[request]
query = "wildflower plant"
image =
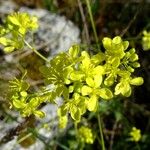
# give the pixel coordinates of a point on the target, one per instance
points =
(86, 135)
(81, 79)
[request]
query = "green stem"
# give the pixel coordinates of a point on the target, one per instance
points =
(34, 50)
(62, 146)
(24, 138)
(138, 147)
(76, 131)
(92, 21)
(101, 132)
(76, 128)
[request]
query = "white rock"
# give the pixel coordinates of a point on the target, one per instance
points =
(55, 31)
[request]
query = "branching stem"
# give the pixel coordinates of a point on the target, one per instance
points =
(34, 50)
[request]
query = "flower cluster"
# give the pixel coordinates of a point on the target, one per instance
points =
(24, 102)
(22, 22)
(135, 134)
(85, 135)
(146, 40)
(83, 79)
(17, 25)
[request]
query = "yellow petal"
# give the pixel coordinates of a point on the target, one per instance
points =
(97, 81)
(92, 103)
(99, 70)
(86, 90)
(90, 81)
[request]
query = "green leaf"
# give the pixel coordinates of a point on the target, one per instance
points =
(118, 115)
(14, 20)
(52, 75)
(34, 102)
(39, 113)
(63, 110)
(75, 113)
(59, 89)
(92, 103)
(52, 96)
(19, 104)
(82, 104)
(65, 92)
(68, 70)
(9, 49)
(105, 93)
(78, 86)
(137, 81)
(24, 86)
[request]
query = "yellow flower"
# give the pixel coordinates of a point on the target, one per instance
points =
(146, 40)
(85, 135)
(22, 22)
(135, 134)
(94, 91)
